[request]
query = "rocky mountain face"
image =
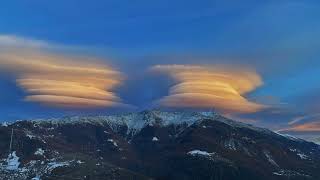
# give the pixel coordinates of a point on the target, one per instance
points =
(153, 145)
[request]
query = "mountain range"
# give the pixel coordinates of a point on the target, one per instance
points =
(152, 145)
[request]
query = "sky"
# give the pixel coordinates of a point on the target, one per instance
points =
(253, 61)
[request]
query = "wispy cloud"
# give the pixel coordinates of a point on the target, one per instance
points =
(305, 127)
(303, 119)
(303, 124)
(12, 41)
(219, 87)
(56, 79)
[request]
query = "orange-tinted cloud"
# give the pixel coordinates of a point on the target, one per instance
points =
(306, 127)
(59, 80)
(217, 87)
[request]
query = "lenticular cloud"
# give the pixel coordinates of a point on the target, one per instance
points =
(207, 87)
(60, 80)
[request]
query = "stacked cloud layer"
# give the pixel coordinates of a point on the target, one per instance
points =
(59, 80)
(217, 87)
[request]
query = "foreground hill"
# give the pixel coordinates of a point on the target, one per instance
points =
(153, 145)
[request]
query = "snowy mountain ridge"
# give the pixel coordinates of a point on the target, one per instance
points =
(138, 120)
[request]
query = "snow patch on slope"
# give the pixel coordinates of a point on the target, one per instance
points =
(12, 162)
(199, 153)
(289, 173)
(209, 156)
(155, 139)
(270, 158)
(36, 178)
(302, 156)
(53, 165)
(4, 124)
(113, 142)
(230, 144)
(39, 152)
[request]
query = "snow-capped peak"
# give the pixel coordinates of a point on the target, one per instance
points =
(136, 121)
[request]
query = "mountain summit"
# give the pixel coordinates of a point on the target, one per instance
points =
(152, 145)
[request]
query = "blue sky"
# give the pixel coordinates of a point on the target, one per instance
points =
(280, 39)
